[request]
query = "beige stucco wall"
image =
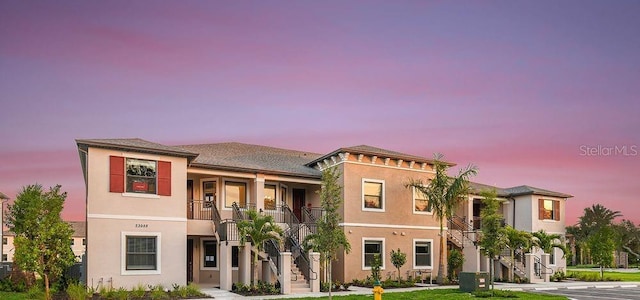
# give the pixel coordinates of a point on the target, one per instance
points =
(110, 216)
(398, 225)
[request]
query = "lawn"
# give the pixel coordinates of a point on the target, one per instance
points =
(622, 276)
(452, 294)
(13, 296)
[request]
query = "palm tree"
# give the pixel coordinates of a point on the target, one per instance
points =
(444, 193)
(258, 229)
(516, 239)
(596, 217)
(546, 242)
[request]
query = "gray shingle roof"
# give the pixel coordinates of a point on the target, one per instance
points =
(476, 188)
(3, 196)
(135, 144)
(370, 150)
(239, 156)
(529, 190)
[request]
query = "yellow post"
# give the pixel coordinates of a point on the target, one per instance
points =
(377, 292)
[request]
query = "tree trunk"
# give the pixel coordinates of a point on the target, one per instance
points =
(441, 264)
(492, 264)
(47, 295)
(330, 279)
(254, 266)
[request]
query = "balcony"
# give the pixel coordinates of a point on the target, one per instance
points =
(200, 210)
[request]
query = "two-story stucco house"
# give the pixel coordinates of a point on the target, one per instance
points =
(77, 242)
(159, 214)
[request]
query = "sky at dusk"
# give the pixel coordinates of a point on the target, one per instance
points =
(543, 93)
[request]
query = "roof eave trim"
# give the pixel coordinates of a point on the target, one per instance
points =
(189, 155)
(250, 170)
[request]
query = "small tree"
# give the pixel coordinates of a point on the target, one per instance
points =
(493, 238)
(516, 239)
(455, 260)
(42, 239)
(376, 264)
(398, 259)
(259, 229)
(444, 193)
(330, 237)
(601, 245)
(547, 242)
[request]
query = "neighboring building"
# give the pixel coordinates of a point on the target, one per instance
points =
(77, 243)
(159, 214)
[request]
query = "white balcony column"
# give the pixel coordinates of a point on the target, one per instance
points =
(546, 270)
(314, 280)
(226, 278)
(285, 273)
(258, 192)
(244, 264)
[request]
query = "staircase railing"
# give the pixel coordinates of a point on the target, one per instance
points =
(239, 213)
(466, 230)
(539, 268)
(311, 214)
(294, 235)
(273, 250)
(512, 262)
(228, 230)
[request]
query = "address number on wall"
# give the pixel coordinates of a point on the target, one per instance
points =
(142, 225)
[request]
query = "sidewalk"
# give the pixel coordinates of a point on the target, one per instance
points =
(355, 290)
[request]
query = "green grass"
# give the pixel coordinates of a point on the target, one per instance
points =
(13, 296)
(452, 294)
(618, 276)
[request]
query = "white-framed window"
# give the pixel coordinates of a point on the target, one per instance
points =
(235, 191)
(270, 196)
(548, 209)
(422, 253)
(141, 176)
(140, 253)
(373, 195)
(420, 202)
(371, 247)
(209, 255)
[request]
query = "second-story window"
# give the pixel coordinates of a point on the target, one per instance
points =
(235, 192)
(548, 209)
(420, 201)
(141, 176)
(269, 196)
(373, 194)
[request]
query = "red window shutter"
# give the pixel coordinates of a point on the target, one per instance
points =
(540, 209)
(116, 174)
(556, 210)
(164, 178)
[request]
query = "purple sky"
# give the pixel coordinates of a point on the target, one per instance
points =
(518, 88)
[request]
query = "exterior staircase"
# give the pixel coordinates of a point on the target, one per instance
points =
(299, 283)
(519, 266)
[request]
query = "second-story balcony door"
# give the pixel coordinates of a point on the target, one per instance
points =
(209, 193)
(298, 202)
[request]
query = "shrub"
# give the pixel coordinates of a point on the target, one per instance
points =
(35, 293)
(455, 260)
(193, 290)
(77, 291)
(138, 292)
(558, 276)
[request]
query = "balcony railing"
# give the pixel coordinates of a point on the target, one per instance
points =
(200, 210)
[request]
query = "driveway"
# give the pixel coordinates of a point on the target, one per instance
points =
(609, 292)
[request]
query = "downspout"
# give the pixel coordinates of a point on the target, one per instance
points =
(513, 218)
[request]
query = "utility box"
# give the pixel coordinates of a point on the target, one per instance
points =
(471, 282)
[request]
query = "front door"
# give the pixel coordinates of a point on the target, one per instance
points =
(298, 202)
(189, 260)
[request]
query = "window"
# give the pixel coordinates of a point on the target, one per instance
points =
(72, 241)
(269, 197)
(141, 253)
(4, 241)
(209, 193)
(420, 201)
(548, 209)
(141, 176)
(422, 254)
(84, 242)
(373, 195)
(235, 254)
(372, 247)
(210, 253)
(235, 192)
(5, 257)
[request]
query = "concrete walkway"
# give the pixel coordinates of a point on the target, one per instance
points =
(354, 290)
